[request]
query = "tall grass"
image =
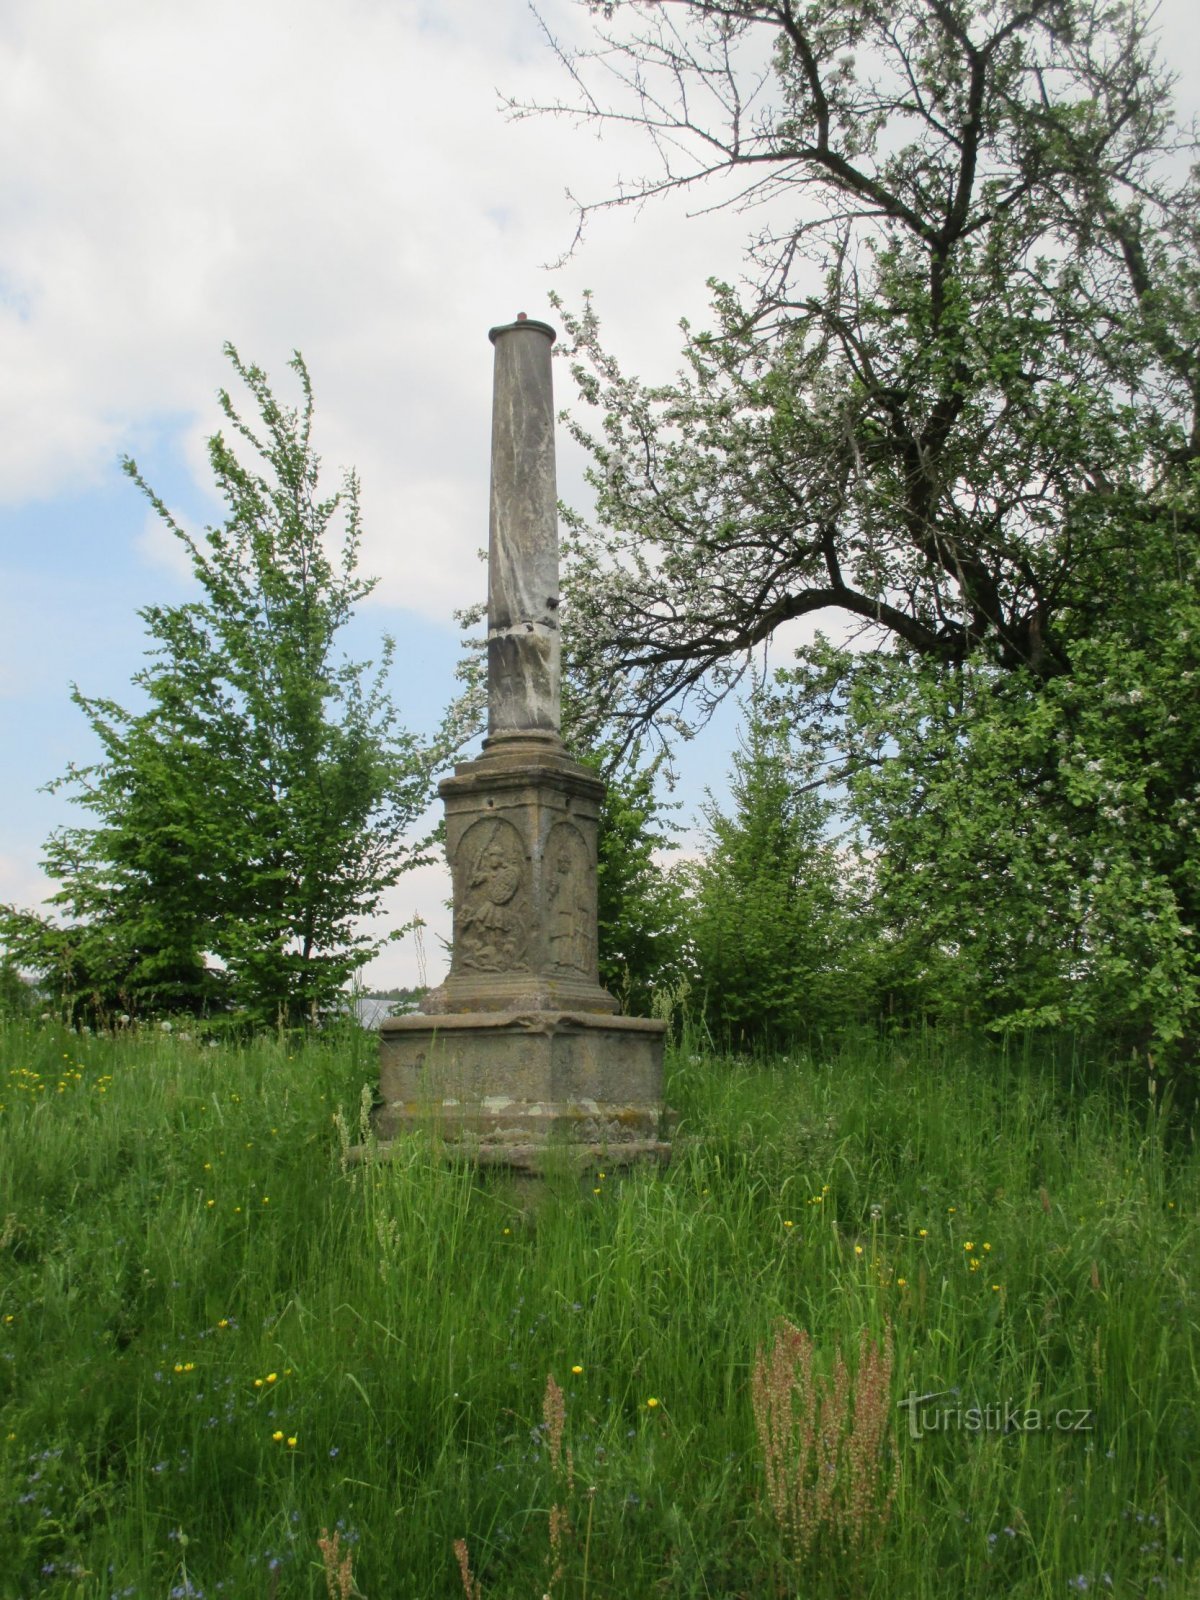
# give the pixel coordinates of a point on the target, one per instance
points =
(224, 1344)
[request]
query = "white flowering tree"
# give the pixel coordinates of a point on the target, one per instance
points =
(956, 406)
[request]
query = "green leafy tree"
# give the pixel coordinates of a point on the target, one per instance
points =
(640, 901)
(17, 995)
(771, 899)
(957, 403)
(1036, 860)
(263, 800)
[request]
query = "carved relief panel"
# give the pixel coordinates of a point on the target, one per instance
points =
(570, 897)
(491, 899)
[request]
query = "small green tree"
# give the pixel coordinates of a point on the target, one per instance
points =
(262, 801)
(770, 919)
(641, 910)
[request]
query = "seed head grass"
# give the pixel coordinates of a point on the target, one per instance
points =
(409, 1335)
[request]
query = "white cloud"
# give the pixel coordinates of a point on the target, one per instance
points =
(159, 546)
(287, 172)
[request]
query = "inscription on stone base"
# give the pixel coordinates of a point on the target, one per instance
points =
(506, 1078)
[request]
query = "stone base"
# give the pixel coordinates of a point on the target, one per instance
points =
(504, 1085)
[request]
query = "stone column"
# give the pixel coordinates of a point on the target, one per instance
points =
(520, 1046)
(524, 652)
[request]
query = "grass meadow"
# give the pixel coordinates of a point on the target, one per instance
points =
(235, 1362)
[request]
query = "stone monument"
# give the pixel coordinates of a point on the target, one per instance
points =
(521, 1047)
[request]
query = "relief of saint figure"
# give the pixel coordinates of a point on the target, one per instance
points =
(491, 925)
(569, 901)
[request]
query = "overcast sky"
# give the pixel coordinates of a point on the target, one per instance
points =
(290, 173)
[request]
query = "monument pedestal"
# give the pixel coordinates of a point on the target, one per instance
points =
(504, 1086)
(521, 1048)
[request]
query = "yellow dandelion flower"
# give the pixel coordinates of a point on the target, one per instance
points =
(258, 1383)
(278, 1436)
(266, 1199)
(986, 1245)
(950, 1210)
(969, 1245)
(601, 1176)
(788, 1223)
(271, 1376)
(995, 1288)
(595, 1191)
(506, 1230)
(178, 1367)
(292, 1442)
(237, 1209)
(224, 1322)
(576, 1370)
(858, 1249)
(902, 1283)
(922, 1233)
(210, 1204)
(651, 1403)
(189, 1366)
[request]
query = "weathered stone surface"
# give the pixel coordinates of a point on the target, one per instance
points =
(520, 1047)
(512, 1078)
(521, 826)
(523, 639)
